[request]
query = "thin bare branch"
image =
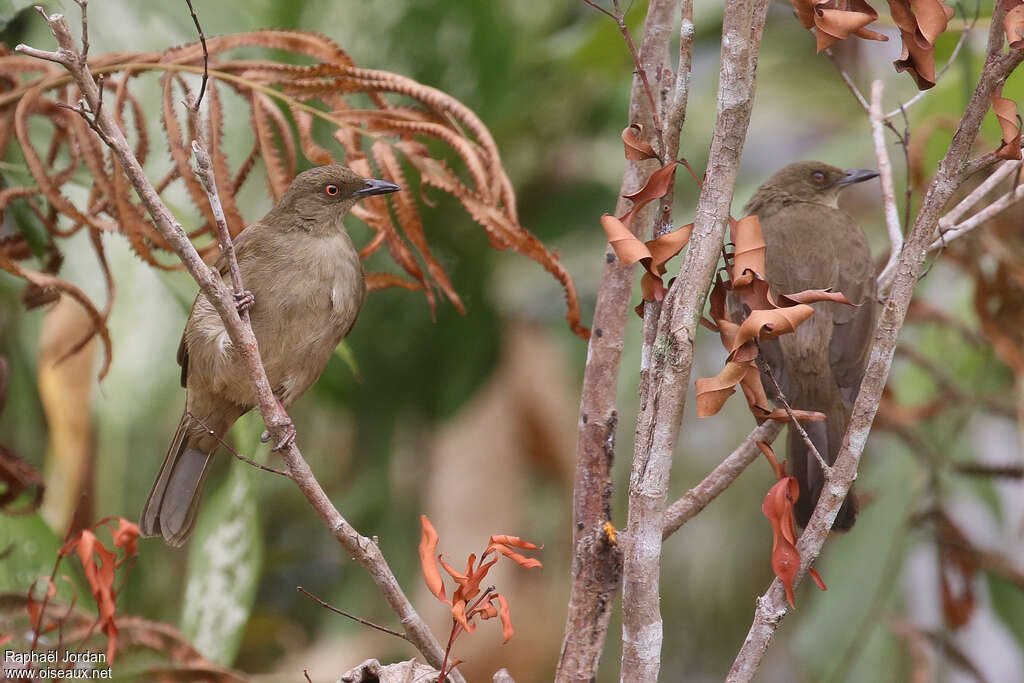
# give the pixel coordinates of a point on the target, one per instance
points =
(951, 233)
(892, 216)
(766, 369)
(847, 79)
(353, 617)
(232, 451)
(206, 55)
(719, 479)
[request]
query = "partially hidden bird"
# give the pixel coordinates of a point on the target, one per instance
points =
(305, 287)
(813, 244)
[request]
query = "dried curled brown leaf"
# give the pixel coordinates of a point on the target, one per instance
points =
(1013, 23)
(1010, 124)
(636, 148)
(920, 22)
(835, 20)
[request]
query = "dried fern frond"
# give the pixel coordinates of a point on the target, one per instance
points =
(285, 103)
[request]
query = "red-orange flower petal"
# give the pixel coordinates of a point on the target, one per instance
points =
(428, 563)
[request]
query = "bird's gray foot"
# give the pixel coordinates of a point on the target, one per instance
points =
(287, 440)
(244, 301)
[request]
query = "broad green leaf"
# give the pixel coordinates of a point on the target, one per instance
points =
(226, 557)
(31, 548)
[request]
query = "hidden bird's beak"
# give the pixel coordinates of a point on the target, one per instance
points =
(857, 176)
(374, 186)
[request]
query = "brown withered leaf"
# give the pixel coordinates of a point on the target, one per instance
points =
(664, 248)
(920, 23)
(780, 415)
(652, 254)
(1010, 124)
(98, 564)
(375, 281)
(656, 186)
(779, 468)
(753, 389)
(778, 508)
(810, 296)
(636, 148)
(770, 323)
(1013, 23)
(713, 392)
(748, 260)
(835, 20)
(627, 246)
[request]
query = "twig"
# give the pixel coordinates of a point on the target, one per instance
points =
(947, 235)
(657, 426)
(204, 171)
(620, 19)
(353, 617)
(82, 4)
(305, 672)
(892, 217)
(771, 607)
(847, 80)
(206, 55)
(232, 451)
(696, 499)
(361, 549)
(766, 369)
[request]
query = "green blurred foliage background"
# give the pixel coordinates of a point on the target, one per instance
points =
(551, 80)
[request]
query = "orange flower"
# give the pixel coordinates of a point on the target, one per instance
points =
(468, 601)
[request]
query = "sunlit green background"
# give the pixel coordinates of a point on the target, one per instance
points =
(471, 418)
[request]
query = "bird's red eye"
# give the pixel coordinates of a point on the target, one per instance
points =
(332, 190)
(818, 176)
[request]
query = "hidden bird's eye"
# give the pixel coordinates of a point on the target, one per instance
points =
(818, 176)
(332, 190)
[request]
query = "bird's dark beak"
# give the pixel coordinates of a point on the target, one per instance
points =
(857, 176)
(374, 186)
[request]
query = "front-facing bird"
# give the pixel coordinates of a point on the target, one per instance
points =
(307, 284)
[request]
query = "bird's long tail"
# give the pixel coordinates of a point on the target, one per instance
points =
(170, 510)
(804, 466)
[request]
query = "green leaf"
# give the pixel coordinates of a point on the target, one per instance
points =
(344, 352)
(1008, 603)
(226, 558)
(32, 548)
